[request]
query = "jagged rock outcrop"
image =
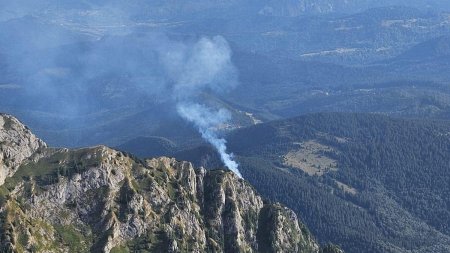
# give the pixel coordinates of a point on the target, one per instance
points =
(17, 143)
(102, 200)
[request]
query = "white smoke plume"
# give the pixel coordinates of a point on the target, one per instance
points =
(206, 66)
(71, 75)
(207, 120)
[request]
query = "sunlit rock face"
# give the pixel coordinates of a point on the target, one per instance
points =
(17, 144)
(101, 200)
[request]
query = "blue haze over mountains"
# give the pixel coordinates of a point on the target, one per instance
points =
(82, 73)
(73, 70)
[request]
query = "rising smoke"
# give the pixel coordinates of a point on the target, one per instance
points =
(207, 120)
(74, 69)
(206, 66)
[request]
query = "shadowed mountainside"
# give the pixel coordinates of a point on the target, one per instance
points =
(102, 200)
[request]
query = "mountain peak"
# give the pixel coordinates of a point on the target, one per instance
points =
(102, 200)
(17, 143)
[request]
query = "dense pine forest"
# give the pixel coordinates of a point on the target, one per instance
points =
(397, 172)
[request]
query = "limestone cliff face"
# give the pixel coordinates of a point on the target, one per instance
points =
(17, 143)
(102, 200)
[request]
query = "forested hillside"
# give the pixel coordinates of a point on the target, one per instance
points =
(381, 183)
(101, 200)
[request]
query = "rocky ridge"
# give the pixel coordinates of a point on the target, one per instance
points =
(17, 143)
(102, 200)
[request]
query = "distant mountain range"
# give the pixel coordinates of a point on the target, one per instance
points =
(360, 60)
(172, 8)
(340, 112)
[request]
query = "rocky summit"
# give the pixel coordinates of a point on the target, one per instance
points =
(101, 200)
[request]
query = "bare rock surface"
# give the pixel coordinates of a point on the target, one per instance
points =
(17, 143)
(101, 200)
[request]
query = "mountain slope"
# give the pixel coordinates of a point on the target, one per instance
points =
(16, 144)
(149, 146)
(102, 200)
(370, 182)
(434, 49)
(85, 100)
(382, 182)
